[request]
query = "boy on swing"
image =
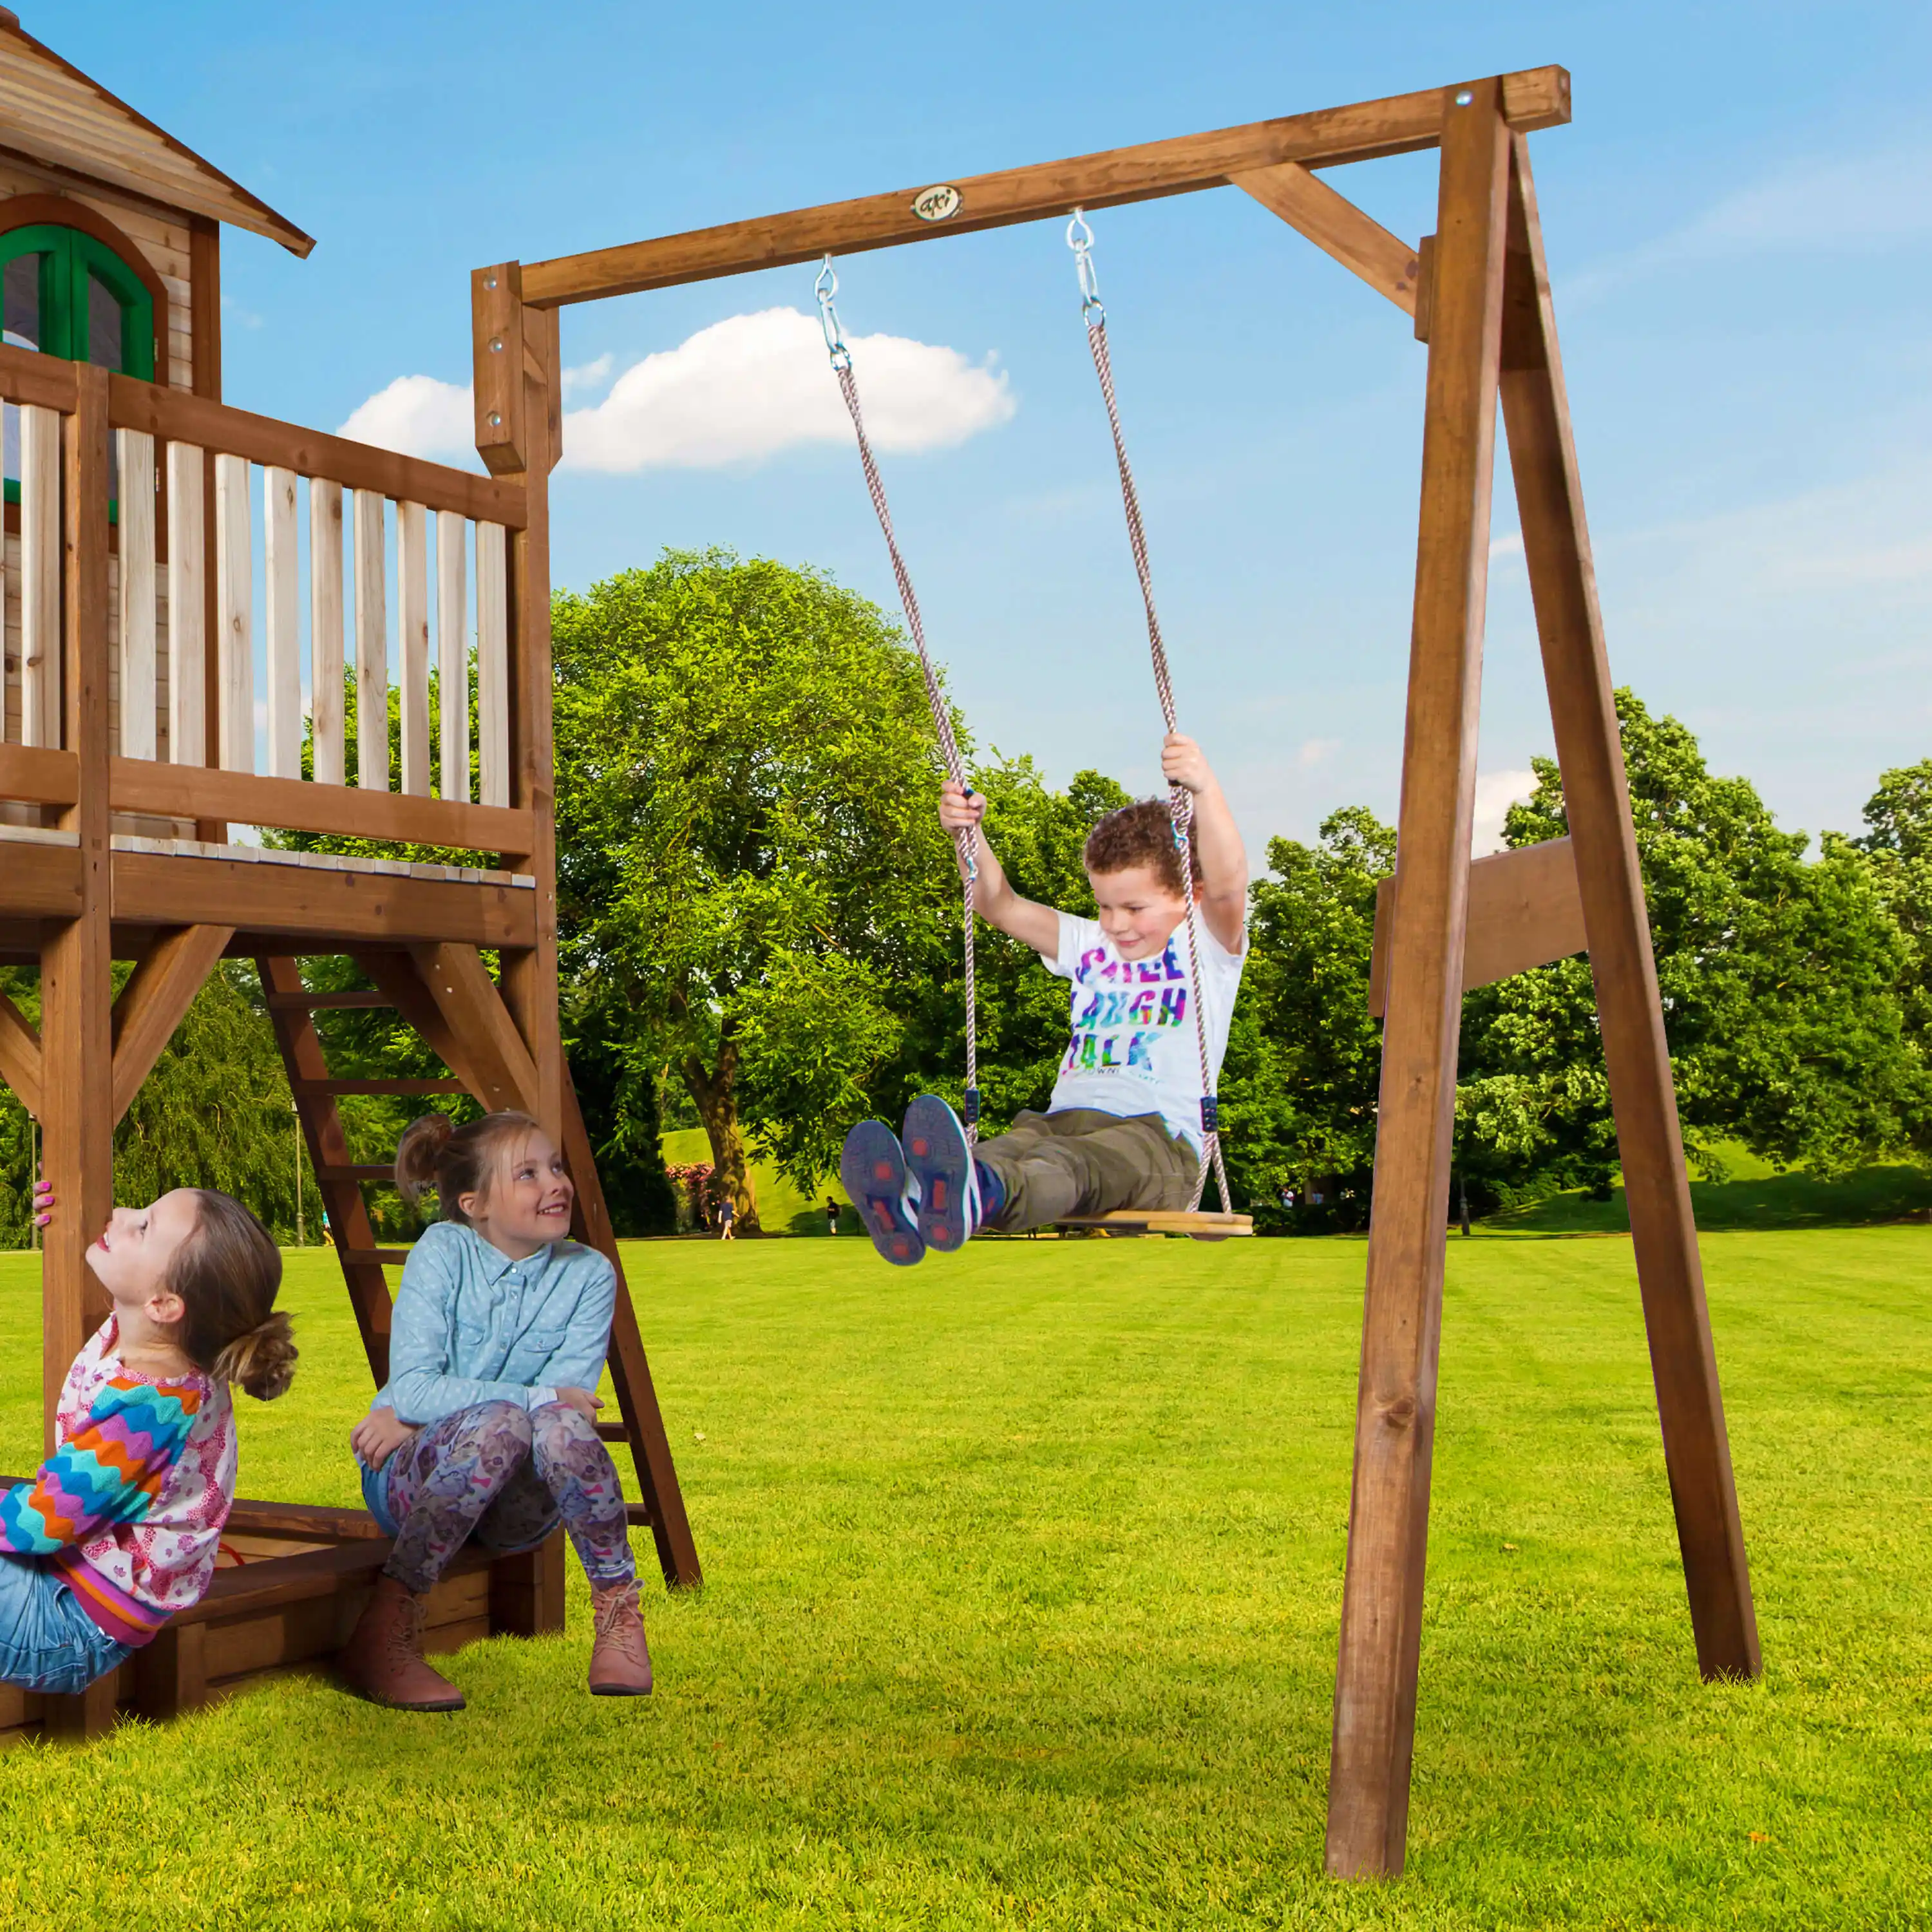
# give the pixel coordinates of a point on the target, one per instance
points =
(1122, 1129)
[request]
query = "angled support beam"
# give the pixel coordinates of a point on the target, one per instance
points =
(491, 1057)
(19, 1056)
(156, 999)
(1562, 579)
(1339, 228)
(1395, 1414)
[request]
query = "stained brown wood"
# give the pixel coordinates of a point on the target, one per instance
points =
(315, 1003)
(156, 999)
(307, 1085)
(76, 985)
(322, 1521)
(1524, 911)
(1159, 1221)
(526, 1590)
(171, 1673)
(1400, 124)
(176, 791)
(43, 382)
(19, 1056)
(495, 312)
(42, 882)
(1562, 577)
(204, 296)
(67, 211)
(1337, 227)
(42, 774)
(1375, 1677)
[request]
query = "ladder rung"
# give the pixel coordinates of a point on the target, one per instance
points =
(638, 1516)
(318, 1090)
(316, 1003)
(372, 1257)
(612, 1432)
(360, 1170)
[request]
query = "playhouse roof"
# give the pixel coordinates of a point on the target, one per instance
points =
(50, 111)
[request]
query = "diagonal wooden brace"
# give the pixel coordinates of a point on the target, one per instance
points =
(19, 1056)
(1339, 228)
(155, 1000)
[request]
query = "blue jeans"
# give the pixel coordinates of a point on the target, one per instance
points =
(47, 1641)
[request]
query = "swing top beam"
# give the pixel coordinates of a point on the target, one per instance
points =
(1399, 124)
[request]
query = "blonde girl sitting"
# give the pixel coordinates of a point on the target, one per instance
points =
(487, 1426)
(118, 1529)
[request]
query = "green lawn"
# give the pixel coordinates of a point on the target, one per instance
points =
(1024, 1570)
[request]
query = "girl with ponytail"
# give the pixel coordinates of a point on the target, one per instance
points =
(486, 1427)
(119, 1530)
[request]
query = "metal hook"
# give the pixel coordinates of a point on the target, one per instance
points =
(826, 287)
(1080, 239)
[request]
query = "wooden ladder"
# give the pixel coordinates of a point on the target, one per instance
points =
(402, 985)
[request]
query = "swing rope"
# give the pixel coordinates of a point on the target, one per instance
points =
(1181, 801)
(826, 288)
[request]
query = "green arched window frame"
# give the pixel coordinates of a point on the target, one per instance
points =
(72, 263)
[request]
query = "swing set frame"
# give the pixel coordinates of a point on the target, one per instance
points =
(1478, 291)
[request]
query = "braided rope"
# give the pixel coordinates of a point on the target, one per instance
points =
(942, 722)
(1181, 801)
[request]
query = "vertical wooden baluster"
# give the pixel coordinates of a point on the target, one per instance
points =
(372, 647)
(234, 611)
(412, 643)
(328, 677)
(140, 721)
(452, 650)
(493, 666)
(40, 576)
(284, 607)
(188, 647)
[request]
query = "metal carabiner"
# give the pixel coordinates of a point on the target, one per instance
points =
(1080, 239)
(826, 288)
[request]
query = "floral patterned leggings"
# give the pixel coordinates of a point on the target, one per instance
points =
(506, 1475)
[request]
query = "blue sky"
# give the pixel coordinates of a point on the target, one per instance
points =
(1737, 221)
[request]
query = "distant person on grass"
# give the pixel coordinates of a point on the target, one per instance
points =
(119, 1529)
(1123, 1128)
(727, 1219)
(487, 1425)
(831, 1214)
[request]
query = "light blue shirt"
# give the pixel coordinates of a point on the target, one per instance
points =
(471, 1325)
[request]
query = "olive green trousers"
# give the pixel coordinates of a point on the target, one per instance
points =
(1080, 1161)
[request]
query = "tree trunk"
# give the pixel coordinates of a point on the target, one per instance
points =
(714, 1091)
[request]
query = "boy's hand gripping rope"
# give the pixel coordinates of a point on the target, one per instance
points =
(1181, 801)
(826, 288)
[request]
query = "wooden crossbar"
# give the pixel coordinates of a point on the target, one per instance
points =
(1397, 124)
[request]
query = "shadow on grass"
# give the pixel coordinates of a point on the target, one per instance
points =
(1891, 1193)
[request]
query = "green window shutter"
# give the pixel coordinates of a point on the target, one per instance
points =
(91, 306)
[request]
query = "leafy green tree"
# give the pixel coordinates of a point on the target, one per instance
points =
(1897, 842)
(747, 849)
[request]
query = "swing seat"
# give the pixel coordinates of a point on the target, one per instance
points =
(1198, 1224)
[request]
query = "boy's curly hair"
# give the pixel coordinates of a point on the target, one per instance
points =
(1140, 834)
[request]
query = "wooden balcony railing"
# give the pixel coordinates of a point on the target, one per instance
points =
(207, 557)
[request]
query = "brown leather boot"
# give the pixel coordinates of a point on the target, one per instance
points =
(620, 1659)
(384, 1659)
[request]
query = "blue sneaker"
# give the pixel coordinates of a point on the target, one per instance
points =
(873, 1169)
(942, 1169)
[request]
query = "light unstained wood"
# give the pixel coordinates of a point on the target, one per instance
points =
(1524, 910)
(40, 654)
(76, 984)
(412, 645)
(495, 310)
(493, 666)
(293, 903)
(282, 569)
(1382, 1595)
(43, 774)
(156, 999)
(235, 612)
(1203, 1225)
(19, 1056)
(1400, 124)
(297, 805)
(1556, 546)
(187, 538)
(140, 654)
(176, 416)
(1338, 227)
(452, 652)
(372, 646)
(329, 674)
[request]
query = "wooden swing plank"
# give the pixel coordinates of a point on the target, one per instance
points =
(1163, 1221)
(1396, 124)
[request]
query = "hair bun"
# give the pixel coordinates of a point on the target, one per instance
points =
(418, 1154)
(263, 1361)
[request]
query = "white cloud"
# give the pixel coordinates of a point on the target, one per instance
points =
(1314, 752)
(589, 375)
(1496, 792)
(737, 392)
(1510, 545)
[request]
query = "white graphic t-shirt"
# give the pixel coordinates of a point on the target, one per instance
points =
(1132, 1049)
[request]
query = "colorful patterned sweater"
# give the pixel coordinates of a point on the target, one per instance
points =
(131, 1503)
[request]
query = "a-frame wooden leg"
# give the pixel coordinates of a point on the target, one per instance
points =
(1556, 546)
(155, 999)
(446, 993)
(1395, 1417)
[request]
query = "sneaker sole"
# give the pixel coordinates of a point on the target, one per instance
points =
(872, 1168)
(941, 1162)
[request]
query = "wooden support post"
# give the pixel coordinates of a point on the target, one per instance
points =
(76, 982)
(156, 999)
(1556, 546)
(19, 1056)
(526, 1590)
(1395, 1420)
(171, 1673)
(86, 1715)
